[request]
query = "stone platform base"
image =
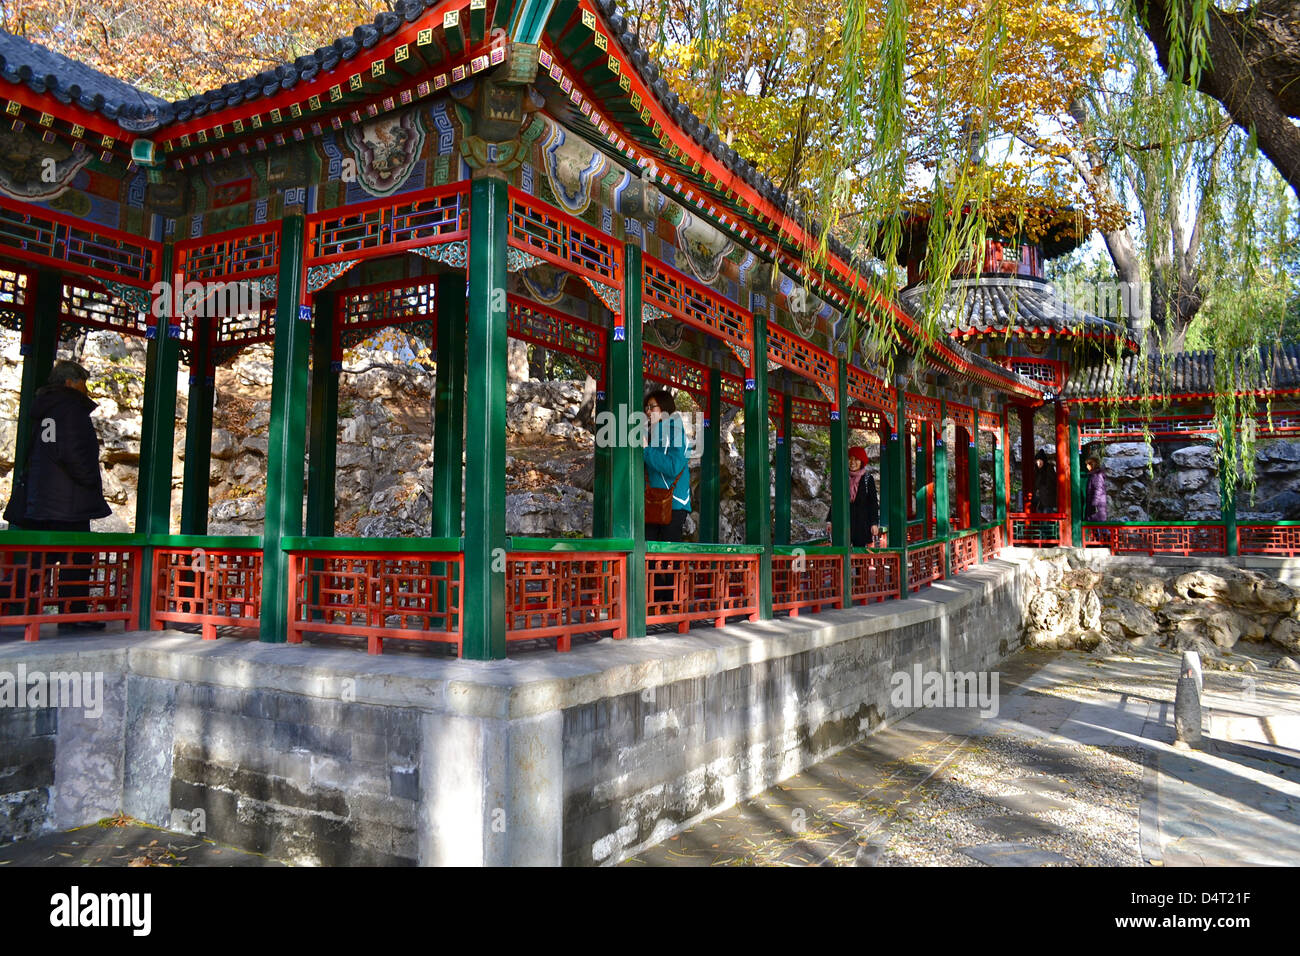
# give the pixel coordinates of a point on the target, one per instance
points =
(327, 756)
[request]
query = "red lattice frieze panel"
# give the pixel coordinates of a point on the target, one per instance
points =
(875, 577)
(965, 552)
(88, 305)
(1035, 531)
(991, 541)
(17, 296)
(532, 322)
(38, 235)
(45, 584)
(416, 597)
(240, 254)
(1283, 540)
(385, 226)
(696, 305)
(1040, 371)
(963, 416)
(562, 240)
(925, 566)
(1157, 539)
(990, 422)
(870, 391)
(916, 532)
(921, 408)
(867, 420)
(809, 580)
(550, 595)
(681, 588)
(733, 390)
(669, 368)
(801, 357)
(808, 411)
(218, 587)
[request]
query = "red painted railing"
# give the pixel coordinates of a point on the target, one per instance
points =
(68, 583)
(1035, 530)
(807, 580)
(925, 566)
(875, 576)
(415, 597)
(560, 595)
(965, 552)
(991, 542)
(1185, 539)
(916, 532)
(211, 587)
(681, 588)
(1281, 540)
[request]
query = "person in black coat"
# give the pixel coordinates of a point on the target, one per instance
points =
(1044, 485)
(864, 502)
(61, 488)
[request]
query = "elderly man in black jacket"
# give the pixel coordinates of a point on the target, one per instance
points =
(61, 489)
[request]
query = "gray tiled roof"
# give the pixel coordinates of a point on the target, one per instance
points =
(1186, 373)
(995, 303)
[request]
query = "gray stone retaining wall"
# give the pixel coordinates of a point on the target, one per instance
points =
(329, 756)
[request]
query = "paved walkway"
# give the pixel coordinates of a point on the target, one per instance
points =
(125, 842)
(1077, 768)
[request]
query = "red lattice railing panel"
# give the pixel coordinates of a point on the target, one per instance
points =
(562, 240)
(1035, 530)
(43, 584)
(1158, 539)
(1268, 539)
(925, 566)
(916, 532)
(991, 542)
(810, 580)
(696, 305)
(681, 588)
(385, 226)
(417, 597)
(240, 254)
(210, 587)
(550, 595)
(875, 577)
(965, 552)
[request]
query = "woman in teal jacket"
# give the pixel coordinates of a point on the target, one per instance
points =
(665, 461)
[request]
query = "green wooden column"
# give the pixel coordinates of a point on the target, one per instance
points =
(840, 477)
(1228, 508)
(39, 348)
(449, 407)
(323, 421)
(758, 521)
(287, 431)
(781, 476)
(157, 437)
(1076, 484)
(711, 462)
(898, 484)
(485, 436)
(1000, 475)
(942, 523)
(627, 470)
(198, 434)
(922, 488)
(604, 462)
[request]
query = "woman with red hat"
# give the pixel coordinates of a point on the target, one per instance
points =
(864, 503)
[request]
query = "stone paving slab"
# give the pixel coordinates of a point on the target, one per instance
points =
(1014, 854)
(125, 842)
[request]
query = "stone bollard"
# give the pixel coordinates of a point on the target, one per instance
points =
(1187, 701)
